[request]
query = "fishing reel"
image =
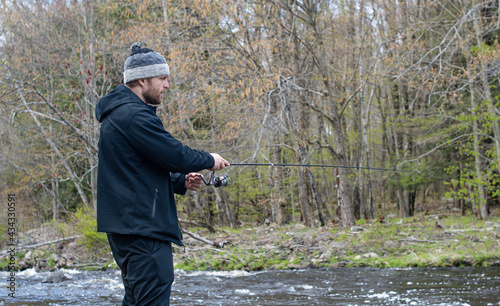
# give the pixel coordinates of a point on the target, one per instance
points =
(216, 181)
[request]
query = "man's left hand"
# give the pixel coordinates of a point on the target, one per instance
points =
(193, 181)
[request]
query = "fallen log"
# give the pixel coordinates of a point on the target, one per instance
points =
(203, 239)
(34, 246)
(417, 240)
(209, 227)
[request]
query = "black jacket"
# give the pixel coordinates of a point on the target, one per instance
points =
(139, 169)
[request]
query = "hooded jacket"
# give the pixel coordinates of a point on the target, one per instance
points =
(139, 169)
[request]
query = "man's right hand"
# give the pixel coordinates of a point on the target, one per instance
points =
(220, 163)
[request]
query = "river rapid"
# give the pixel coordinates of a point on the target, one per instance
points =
(338, 286)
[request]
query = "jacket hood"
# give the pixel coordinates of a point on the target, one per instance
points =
(115, 98)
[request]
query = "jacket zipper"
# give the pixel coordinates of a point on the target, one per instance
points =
(154, 204)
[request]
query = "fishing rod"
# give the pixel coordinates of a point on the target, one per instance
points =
(322, 166)
(223, 180)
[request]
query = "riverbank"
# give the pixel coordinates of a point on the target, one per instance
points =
(436, 240)
(428, 241)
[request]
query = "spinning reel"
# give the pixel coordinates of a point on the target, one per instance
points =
(216, 181)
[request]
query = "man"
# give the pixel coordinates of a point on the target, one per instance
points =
(140, 167)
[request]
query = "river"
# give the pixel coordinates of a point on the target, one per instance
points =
(340, 286)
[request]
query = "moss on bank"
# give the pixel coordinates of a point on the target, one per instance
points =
(411, 242)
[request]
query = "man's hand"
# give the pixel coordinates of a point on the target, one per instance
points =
(193, 181)
(220, 163)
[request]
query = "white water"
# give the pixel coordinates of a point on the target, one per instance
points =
(343, 286)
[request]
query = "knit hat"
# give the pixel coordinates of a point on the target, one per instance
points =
(144, 63)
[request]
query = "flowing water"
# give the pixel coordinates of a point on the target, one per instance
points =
(341, 286)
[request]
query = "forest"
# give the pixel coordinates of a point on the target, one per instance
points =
(397, 102)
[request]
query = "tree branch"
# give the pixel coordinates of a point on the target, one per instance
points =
(66, 122)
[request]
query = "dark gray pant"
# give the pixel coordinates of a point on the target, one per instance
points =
(147, 269)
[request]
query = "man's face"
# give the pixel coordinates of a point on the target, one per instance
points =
(154, 89)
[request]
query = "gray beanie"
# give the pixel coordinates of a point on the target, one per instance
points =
(144, 63)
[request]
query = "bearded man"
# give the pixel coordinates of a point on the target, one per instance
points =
(141, 166)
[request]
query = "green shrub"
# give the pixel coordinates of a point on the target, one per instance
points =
(361, 222)
(86, 226)
(3, 237)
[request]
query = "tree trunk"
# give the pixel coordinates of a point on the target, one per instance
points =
(483, 205)
(208, 215)
(479, 198)
(229, 214)
(364, 124)
(304, 203)
(222, 215)
(196, 202)
(278, 203)
(318, 199)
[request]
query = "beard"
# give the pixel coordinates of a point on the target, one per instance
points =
(151, 95)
